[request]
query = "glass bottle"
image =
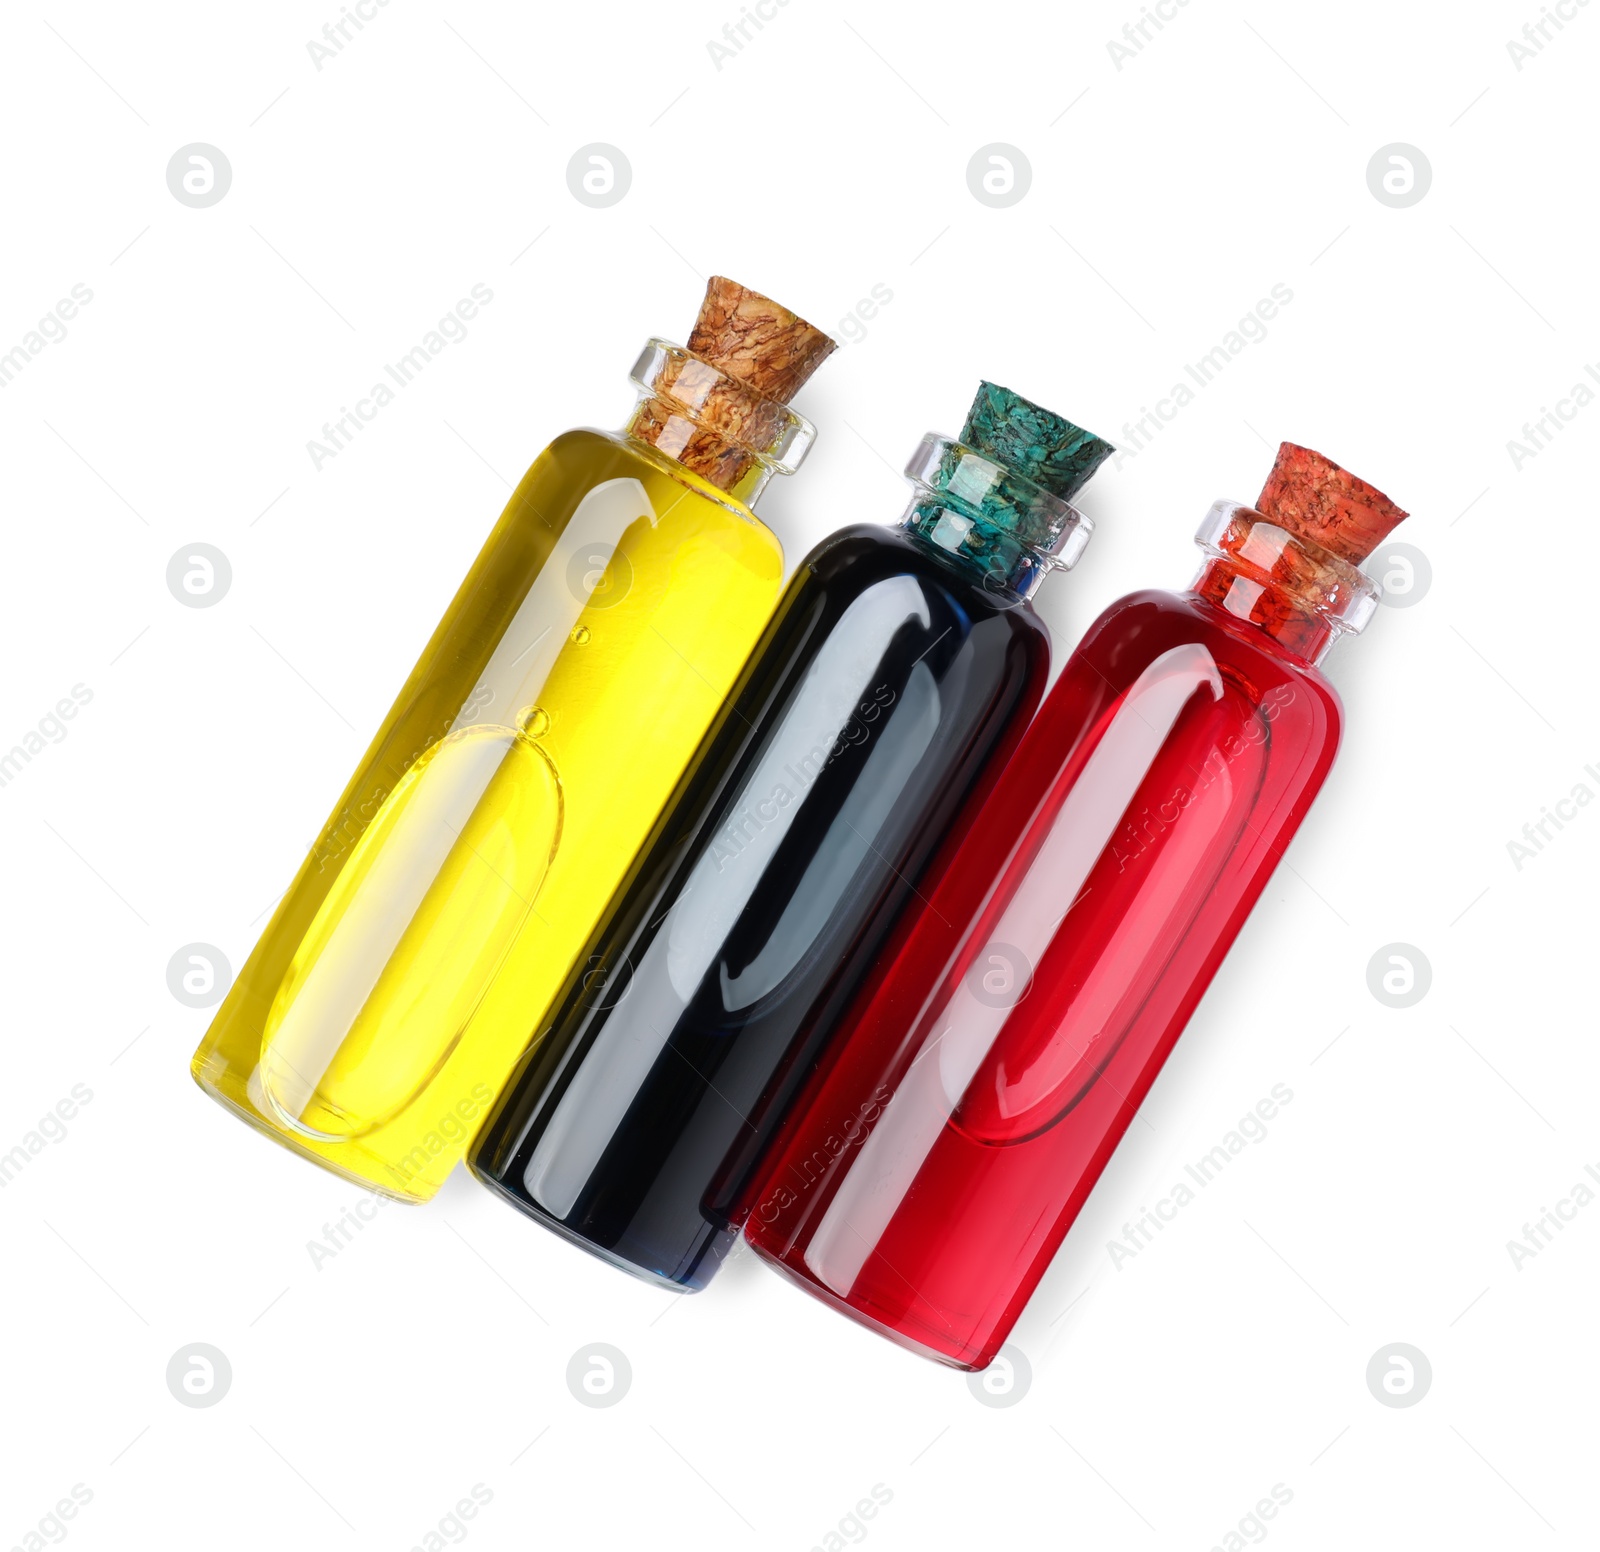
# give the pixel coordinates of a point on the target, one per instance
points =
(899, 665)
(979, 1086)
(522, 766)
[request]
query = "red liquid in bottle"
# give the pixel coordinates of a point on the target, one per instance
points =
(983, 1078)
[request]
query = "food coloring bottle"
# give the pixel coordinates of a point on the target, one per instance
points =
(523, 765)
(984, 1077)
(896, 672)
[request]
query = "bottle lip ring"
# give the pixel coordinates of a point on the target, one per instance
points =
(692, 393)
(968, 480)
(1314, 578)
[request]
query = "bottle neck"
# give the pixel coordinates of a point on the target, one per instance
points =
(997, 526)
(1301, 596)
(1009, 571)
(711, 423)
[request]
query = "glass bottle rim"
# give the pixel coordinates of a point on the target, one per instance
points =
(658, 374)
(969, 481)
(1313, 577)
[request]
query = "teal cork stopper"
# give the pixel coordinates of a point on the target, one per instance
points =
(998, 499)
(1033, 441)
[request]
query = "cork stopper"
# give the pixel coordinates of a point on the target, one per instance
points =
(716, 410)
(753, 338)
(999, 496)
(1313, 498)
(1291, 564)
(1033, 441)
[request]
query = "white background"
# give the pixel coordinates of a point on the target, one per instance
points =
(827, 156)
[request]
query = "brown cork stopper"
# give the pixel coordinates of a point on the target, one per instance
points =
(1315, 499)
(766, 350)
(754, 339)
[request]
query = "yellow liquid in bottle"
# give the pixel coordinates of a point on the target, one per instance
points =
(455, 885)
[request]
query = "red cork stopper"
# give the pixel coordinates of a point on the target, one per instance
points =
(765, 349)
(1315, 499)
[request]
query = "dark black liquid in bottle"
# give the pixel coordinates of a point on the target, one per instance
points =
(886, 682)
